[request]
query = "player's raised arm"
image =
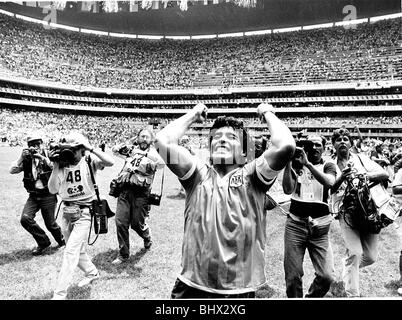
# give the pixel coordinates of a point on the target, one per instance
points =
(282, 143)
(178, 158)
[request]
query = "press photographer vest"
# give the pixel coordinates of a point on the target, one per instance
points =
(76, 182)
(139, 170)
(36, 183)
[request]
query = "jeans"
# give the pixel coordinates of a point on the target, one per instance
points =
(362, 250)
(299, 236)
(75, 254)
(47, 204)
(183, 291)
(132, 209)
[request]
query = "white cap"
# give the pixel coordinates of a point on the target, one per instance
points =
(74, 139)
(34, 136)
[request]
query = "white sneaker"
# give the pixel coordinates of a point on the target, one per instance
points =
(399, 291)
(88, 280)
(119, 260)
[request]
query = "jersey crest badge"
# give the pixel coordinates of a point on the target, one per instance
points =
(236, 181)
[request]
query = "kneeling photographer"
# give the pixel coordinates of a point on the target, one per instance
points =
(71, 179)
(133, 189)
(361, 243)
(308, 178)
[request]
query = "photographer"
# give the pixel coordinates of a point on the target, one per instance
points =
(35, 164)
(71, 179)
(362, 246)
(134, 183)
(308, 178)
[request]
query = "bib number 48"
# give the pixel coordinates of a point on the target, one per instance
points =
(74, 177)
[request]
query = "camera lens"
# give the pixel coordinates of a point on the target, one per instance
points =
(67, 155)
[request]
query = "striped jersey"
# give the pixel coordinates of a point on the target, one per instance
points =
(224, 228)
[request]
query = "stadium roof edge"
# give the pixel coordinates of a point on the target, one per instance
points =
(345, 22)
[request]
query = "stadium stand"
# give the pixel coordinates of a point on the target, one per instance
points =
(318, 79)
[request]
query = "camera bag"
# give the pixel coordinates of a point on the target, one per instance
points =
(100, 210)
(154, 199)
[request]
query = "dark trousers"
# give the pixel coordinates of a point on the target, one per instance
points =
(183, 291)
(400, 265)
(47, 205)
(132, 209)
(299, 236)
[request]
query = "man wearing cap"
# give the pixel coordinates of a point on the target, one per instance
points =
(71, 179)
(35, 164)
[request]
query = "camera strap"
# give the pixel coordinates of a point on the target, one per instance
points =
(98, 197)
(93, 178)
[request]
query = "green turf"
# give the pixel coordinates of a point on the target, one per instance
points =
(151, 274)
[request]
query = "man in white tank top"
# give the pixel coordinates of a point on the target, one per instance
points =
(71, 180)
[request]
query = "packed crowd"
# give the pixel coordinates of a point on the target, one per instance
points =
(339, 121)
(319, 55)
(15, 125)
(111, 129)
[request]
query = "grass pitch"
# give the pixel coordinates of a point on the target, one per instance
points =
(151, 274)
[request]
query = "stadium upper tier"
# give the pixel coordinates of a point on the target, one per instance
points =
(366, 52)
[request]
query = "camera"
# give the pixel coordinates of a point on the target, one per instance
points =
(61, 153)
(305, 144)
(126, 150)
(301, 145)
(115, 190)
(154, 199)
(32, 151)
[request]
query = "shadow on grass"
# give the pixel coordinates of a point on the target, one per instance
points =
(265, 292)
(16, 256)
(46, 296)
(74, 293)
(103, 261)
(23, 255)
(393, 286)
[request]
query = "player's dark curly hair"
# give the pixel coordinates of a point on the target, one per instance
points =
(224, 121)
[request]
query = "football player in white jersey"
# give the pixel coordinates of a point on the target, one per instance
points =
(225, 221)
(71, 180)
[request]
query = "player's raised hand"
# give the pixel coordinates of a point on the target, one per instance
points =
(200, 111)
(265, 107)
